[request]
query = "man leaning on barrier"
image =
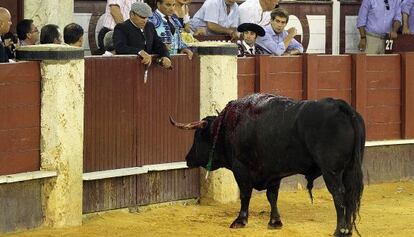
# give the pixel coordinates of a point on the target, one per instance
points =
(247, 46)
(408, 16)
(277, 40)
(168, 28)
(138, 36)
(378, 19)
(5, 23)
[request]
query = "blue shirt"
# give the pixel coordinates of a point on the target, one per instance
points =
(376, 19)
(215, 11)
(408, 7)
(273, 42)
(164, 31)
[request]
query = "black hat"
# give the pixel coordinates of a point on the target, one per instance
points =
(251, 27)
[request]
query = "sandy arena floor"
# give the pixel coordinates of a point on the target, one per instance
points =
(387, 210)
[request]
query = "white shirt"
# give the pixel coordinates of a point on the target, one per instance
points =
(253, 51)
(251, 12)
(215, 11)
(124, 5)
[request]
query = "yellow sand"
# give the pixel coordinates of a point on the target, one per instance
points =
(387, 210)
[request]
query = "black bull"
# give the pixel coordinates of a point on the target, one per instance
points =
(263, 138)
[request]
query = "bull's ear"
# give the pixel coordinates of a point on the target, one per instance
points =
(203, 124)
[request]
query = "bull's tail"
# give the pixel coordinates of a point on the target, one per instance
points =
(353, 176)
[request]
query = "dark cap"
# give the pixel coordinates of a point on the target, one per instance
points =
(251, 27)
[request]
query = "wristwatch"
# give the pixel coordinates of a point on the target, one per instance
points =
(159, 61)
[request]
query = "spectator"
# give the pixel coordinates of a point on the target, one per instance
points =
(27, 32)
(277, 40)
(10, 42)
(248, 46)
(5, 23)
(50, 34)
(168, 27)
(73, 35)
(257, 11)
(137, 36)
(217, 17)
(116, 12)
(183, 13)
(408, 16)
(109, 44)
(376, 20)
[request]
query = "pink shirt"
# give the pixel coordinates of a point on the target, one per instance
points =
(124, 5)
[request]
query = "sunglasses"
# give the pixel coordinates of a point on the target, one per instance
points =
(387, 5)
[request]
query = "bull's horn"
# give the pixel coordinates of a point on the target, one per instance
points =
(189, 126)
(218, 112)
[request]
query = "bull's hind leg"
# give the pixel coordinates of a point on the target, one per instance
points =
(272, 194)
(333, 181)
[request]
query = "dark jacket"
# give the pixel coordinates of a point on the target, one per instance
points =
(4, 58)
(128, 39)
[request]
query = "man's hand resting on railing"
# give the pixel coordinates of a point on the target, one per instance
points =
(146, 58)
(164, 62)
(188, 52)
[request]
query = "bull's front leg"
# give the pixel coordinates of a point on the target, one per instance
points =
(244, 182)
(272, 194)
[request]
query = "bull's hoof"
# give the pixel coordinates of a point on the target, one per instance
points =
(343, 232)
(275, 224)
(239, 223)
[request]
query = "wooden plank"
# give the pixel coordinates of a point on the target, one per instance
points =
(246, 65)
(14, 94)
(310, 76)
(359, 83)
(21, 139)
(407, 71)
(383, 131)
(383, 80)
(19, 161)
(383, 63)
(21, 206)
(20, 117)
(384, 114)
(342, 63)
(334, 80)
(26, 176)
(285, 64)
(384, 97)
(344, 94)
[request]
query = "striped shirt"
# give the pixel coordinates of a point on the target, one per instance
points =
(124, 5)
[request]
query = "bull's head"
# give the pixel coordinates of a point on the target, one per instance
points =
(202, 144)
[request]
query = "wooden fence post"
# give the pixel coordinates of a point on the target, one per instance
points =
(262, 71)
(407, 72)
(359, 83)
(309, 76)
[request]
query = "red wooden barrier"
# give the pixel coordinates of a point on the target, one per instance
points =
(246, 70)
(19, 117)
(127, 124)
(383, 111)
(378, 86)
(127, 120)
(407, 71)
(377, 94)
(328, 76)
(281, 76)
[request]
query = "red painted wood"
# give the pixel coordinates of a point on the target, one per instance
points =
(19, 117)
(407, 71)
